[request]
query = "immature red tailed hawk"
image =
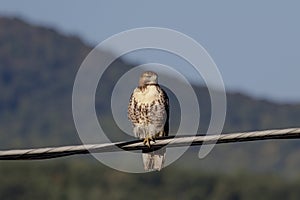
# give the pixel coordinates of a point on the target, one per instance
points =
(148, 110)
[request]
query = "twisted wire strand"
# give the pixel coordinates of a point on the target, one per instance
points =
(168, 142)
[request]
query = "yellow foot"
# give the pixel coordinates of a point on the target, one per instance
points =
(147, 140)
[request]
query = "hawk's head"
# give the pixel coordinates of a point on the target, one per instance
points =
(147, 78)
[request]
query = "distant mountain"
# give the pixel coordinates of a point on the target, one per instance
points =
(37, 69)
(38, 66)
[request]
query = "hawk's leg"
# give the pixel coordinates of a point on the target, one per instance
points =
(148, 139)
(152, 138)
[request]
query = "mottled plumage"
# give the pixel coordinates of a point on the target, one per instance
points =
(148, 110)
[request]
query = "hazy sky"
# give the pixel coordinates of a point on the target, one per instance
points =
(255, 44)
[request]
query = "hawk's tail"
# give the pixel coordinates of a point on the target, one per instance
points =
(154, 160)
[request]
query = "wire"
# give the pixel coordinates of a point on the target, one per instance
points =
(168, 142)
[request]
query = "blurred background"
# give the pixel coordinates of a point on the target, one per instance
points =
(254, 44)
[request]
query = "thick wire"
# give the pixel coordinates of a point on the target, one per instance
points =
(167, 142)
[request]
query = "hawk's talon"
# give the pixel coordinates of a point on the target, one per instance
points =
(153, 139)
(147, 140)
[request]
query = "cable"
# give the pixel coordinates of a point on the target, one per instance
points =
(168, 142)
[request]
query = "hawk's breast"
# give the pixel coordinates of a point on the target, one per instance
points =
(147, 95)
(147, 106)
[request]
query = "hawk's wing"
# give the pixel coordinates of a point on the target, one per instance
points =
(165, 105)
(133, 112)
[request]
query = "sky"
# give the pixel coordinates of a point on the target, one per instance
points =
(255, 44)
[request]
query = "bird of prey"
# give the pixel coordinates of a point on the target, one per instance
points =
(148, 110)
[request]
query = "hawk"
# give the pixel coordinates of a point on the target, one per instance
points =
(148, 110)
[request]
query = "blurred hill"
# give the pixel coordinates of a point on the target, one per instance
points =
(37, 69)
(38, 66)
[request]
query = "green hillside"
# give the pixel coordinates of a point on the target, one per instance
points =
(38, 66)
(75, 181)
